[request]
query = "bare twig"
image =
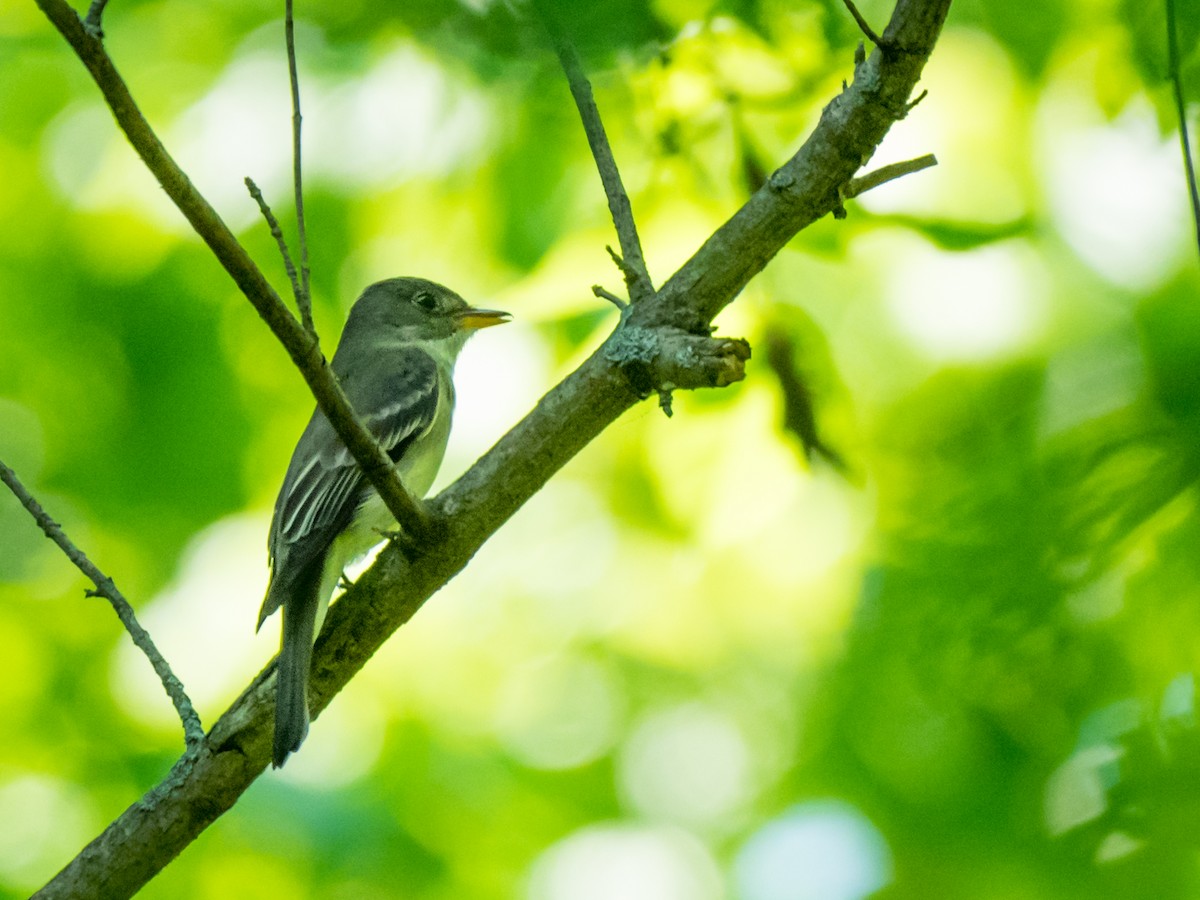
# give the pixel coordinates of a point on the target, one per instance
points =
(885, 174)
(303, 295)
(612, 298)
(299, 280)
(631, 262)
(1189, 166)
(193, 731)
(666, 399)
(299, 343)
(630, 272)
(94, 14)
(277, 233)
(912, 104)
(863, 26)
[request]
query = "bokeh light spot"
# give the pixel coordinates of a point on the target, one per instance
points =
(52, 826)
(967, 306)
(688, 765)
(630, 862)
(559, 712)
(820, 850)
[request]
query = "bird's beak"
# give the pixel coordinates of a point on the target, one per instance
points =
(481, 318)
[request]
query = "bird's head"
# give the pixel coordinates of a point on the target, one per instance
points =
(415, 310)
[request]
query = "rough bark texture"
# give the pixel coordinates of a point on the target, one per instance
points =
(203, 785)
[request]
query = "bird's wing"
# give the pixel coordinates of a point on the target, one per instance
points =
(324, 485)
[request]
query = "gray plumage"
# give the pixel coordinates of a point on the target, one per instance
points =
(395, 363)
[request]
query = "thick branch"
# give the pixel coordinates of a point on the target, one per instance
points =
(193, 731)
(665, 359)
(150, 833)
(300, 345)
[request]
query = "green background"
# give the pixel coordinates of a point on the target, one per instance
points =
(954, 657)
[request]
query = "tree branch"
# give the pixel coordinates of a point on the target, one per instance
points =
(605, 294)
(276, 232)
(303, 294)
(884, 174)
(93, 21)
(862, 24)
(154, 830)
(664, 359)
(631, 262)
(193, 731)
(299, 343)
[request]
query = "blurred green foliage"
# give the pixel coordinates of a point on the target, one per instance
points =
(696, 665)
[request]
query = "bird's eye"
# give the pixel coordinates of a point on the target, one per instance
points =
(425, 300)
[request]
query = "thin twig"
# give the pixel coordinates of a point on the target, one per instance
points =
(863, 26)
(887, 173)
(612, 298)
(277, 233)
(303, 295)
(633, 267)
(94, 14)
(1189, 166)
(629, 272)
(193, 731)
(912, 104)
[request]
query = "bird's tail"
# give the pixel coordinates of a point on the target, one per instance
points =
(295, 660)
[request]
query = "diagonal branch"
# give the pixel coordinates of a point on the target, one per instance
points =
(276, 232)
(197, 791)
(863, 25)
(631, 262)
(300, 344)
(193, 731)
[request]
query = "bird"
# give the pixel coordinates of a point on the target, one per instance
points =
(395, 362)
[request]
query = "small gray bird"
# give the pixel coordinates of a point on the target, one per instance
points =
(395, 362)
